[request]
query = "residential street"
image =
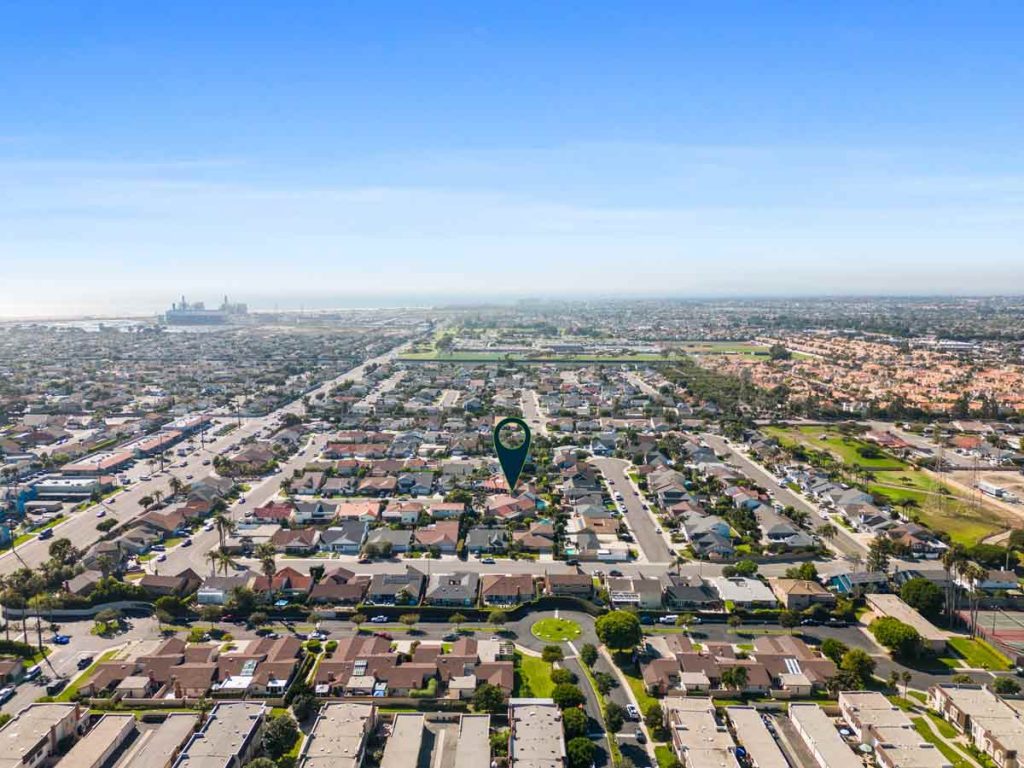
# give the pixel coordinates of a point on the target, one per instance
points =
(641, 522)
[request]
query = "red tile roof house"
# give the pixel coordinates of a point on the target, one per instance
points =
(274, 512)
(296, 541)
(506, 589)
(287, 580)
(444, 536)
(508, 507)
(367, 511)
(340, 587)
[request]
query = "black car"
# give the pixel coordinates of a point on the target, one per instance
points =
(615, 573)
(56, 686)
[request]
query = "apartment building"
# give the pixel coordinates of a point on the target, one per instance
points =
(338, 737)
(698, 738)
(994, 725)
(31, 737)
(535, 739)
(228, 739)
(886, 728)
(821, 737)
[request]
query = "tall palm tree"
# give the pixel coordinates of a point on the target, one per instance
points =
(974, 575)
(158, 496)
(224, 525)
(267, 555)
(214, 557)
(176, 485)
(827, 531)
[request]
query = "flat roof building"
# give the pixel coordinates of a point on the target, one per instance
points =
(338, 737)
(753, 736)
(473, 749)
(821, 737)
(32, 735)
(535, 739)
(699, 739)
(887, 729)
(101, 463)
(992, 724)
(228, 738)
(405, 742)
(891, 605)
(104, 739)
(158, 748)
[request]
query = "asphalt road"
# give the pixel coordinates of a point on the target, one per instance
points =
(80, 527)
(845, 543)
(641, 522)
(532, 415)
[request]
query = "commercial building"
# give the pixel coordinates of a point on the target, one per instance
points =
(993, 724)
(821, 737)
(31, 736)
(97, 746)
(698, 738)
(338, 738)
(473, 748)
(67, 488)
(159, 747)
(888, 730)
(535, 734)
(891, 605)
(103, 463)
(405, 742)
(753, 735)
(228, 739)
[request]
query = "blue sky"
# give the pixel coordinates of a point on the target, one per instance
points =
(325, 152)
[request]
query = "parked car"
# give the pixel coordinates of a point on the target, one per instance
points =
(101, 512)
(56, 686)
(60, 639)
(668, 619)
(639, 736)
(379, 620)
(84, 661)
(632, 712)
(487, 561)
(6, 694)
(616, 573)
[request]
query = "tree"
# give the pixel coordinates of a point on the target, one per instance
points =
(358, 619)
(552, 653)
(906, 677)
(878, 554)
(834, 649)
(614, 717)
(619, 630)
(261, 762)
(654, 718)
(735, 621)
(902, 639)
(805, 571)
(279, 735)
(580, 752)
(859, 664)
(1006, 686)
(497, 618)
(567, 696)
(562, 675)
(409, 619)
(303, 706)
(488, 698)
(923, 595)
(735, 677)
(456, 619)
(789, 619)
(588, 653)
(225, 526)
(574, 723)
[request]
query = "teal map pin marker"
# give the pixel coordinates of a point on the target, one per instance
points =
(512, 459)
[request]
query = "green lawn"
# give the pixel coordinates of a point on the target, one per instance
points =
(533, 677)
(556, 630)
(636, 685)
(943, 727)
(82, 679)
(979, 654)
(664, 755)
(829, 439)
(954, 757)
(492, 357)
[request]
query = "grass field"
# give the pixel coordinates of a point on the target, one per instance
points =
(829, 439)
(664, 755)
(965, 523)
(556, 630)
(532, 677)
(979, 654)
(72, 688)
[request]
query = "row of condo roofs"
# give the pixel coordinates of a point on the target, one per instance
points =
(229, 737)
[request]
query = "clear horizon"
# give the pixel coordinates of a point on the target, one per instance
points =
(365, 152)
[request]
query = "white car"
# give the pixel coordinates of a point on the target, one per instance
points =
(379, 620)
(669, 619)
(101, 512)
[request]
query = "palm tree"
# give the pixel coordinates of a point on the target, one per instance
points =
(225, 562)
(735, 677)
(158, 496)
(214, 557)
(975, 575)
(266, 554)
(176, 485)
(905, 676)
(827, 531)
(225, 526)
